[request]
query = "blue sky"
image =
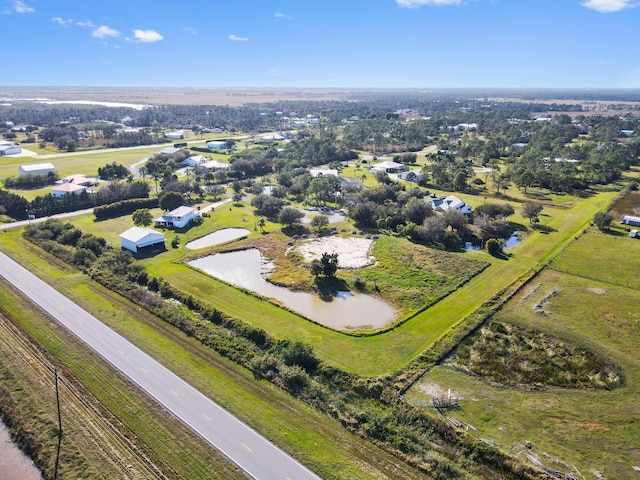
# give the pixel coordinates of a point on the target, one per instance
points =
(328, 43)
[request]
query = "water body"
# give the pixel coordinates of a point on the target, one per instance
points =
(510, 242)
(14, 464)
(216, 238)
(347, 311)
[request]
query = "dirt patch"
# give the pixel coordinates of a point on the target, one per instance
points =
(352, 252)
(596, 290)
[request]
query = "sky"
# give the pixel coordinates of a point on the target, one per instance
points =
(322, 43)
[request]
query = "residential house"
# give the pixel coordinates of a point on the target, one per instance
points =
(215, 165)
(7, 148)
(320, 172)
(217, 145)
(59, 191)
(178, 218)
(78, 179)
(451, 203)
(388, 167)
(195, 161)
(139, 238)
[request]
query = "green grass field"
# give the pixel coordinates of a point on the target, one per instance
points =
(310, 435)
(592, 429)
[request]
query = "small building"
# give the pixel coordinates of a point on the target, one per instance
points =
(168, 151)
(178, 218)
(217, 145)
(322, 172)
(176, 135)
(215, 165)
(633, 233)
(36, 169)
(388, 167)
(195, 161)
(630, 220)
(59, 191)
(139, 238)
(7, 148)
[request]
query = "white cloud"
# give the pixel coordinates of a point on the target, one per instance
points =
(61, 21)
(147, 36)
(609, 6)
(104, 32)
(236, 38)
(283, 15)
(420, 3)
(22, 7)
(88, 23)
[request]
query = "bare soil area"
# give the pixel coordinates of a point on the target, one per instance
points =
(352, 252)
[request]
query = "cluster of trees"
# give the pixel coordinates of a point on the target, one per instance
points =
(31, 181)
(113, 171)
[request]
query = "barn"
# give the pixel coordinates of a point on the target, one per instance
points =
(139, 238)
(629, 220)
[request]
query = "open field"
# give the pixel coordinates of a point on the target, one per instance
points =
(314, 438)
(589, 428)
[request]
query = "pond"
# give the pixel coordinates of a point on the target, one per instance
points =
(346, 311)
(216, 238)
(510, 242)
(14, 464)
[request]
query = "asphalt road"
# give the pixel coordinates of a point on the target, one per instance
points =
(243, 446)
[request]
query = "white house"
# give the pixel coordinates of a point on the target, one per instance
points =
(138, 238)
(452, 203)
(78, 179)
(59, 191)
(168, 151)
(388, 167)
(215, 165)
(178, 218)
(195, 161)
(177, 135)
(36, 169)
(7, 148)
(320, 172)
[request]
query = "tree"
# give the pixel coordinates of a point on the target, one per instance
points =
(171, 200)
(290, 215)
(417, 210)
(142, 216)
(319, 222)
(531, 210)
(493, 247)
(329, 262)
(603, 220)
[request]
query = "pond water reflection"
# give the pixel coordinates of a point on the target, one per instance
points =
(14, 464)
(346, 311)
(221, 236)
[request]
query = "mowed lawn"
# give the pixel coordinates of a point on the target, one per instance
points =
(595, 430)
(376, 355)
(390, 352)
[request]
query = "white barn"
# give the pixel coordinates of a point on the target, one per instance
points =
(178, 218)
(138, 238)
(36, 169)
(629, 220)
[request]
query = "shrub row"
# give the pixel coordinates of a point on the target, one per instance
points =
(124, 207)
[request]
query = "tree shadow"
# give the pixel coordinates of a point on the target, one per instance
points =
(328, 287)
(295, 229)
(546, 229)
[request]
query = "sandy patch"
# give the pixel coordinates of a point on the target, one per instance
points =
(597, 291)
(352, 252)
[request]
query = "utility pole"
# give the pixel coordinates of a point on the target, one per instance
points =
(55, 473)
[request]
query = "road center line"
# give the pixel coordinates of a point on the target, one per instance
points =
(205, 416)
(246, 447)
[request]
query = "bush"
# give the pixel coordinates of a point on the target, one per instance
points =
(494, 247)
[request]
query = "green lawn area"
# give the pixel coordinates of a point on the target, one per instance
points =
(313, 437)
(373, 355)
(590, 428)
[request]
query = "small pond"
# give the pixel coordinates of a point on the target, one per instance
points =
(510, 242)
(14, 464)
(221, 236)
(347, 311)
